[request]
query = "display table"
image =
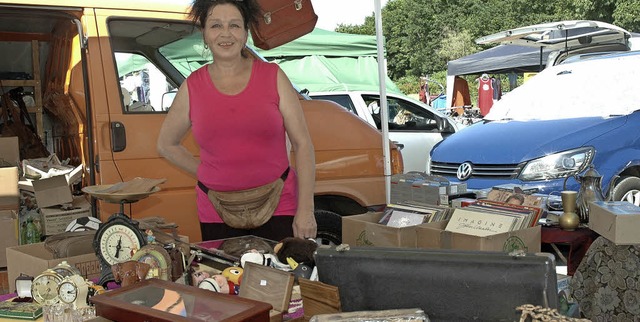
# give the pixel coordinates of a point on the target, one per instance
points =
(605, 284)
(577, 240)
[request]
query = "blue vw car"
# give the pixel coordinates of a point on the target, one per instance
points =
(579, 113)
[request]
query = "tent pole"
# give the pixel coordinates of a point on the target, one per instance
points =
(383, 100)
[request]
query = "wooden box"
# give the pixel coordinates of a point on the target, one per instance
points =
(164, 301)
(267, 284)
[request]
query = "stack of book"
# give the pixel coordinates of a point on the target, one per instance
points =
(20, 310)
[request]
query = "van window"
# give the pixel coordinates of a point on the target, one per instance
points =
(152, 65)
(142, 84)
(404, 116)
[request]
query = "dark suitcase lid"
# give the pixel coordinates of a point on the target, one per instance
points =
(449, 285)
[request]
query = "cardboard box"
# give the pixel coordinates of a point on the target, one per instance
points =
(8, 233)
(364, 230)
(52, 191)
(433, 236)
(33, 259)
(9, 192)
(618, 221)
(10, 150)
(56, 219)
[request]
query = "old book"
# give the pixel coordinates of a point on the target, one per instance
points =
(480, 223)
(20, 310)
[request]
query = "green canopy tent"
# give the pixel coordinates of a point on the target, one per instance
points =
(330, 61)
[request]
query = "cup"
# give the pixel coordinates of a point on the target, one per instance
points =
(569, 198)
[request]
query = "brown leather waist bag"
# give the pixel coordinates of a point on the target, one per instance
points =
(249, 208)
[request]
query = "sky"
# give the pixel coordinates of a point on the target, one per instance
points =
(331, 13)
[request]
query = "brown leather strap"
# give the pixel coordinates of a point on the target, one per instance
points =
(205, 189)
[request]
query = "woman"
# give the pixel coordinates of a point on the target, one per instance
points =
(240, 111)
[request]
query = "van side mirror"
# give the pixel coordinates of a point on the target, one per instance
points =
(167, 99)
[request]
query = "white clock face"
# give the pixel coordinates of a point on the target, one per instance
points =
(44, 289)
(118, 243)
(68, 292)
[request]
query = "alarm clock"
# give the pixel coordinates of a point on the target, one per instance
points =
(23, 285)
(64, 269)
(74, 290)
(116, 241)
(44, 288)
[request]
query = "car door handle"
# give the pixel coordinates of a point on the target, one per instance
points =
(399, 145)
(118, 137)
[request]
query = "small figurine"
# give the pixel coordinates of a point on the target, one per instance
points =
(233, 274)
(219, 284)
(150, 237)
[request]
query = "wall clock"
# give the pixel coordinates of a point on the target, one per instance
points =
(116, 241)
(159, 260)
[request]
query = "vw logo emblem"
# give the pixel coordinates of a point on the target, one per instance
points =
(464, 171)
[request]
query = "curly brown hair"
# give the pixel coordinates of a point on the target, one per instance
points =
(249, 9)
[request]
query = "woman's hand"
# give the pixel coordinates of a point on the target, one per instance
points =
(304, 224)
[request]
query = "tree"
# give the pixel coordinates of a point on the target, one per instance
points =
(421, 36)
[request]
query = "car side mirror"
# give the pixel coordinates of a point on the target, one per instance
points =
(167, 99)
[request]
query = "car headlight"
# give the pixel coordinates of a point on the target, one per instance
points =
(558, 165)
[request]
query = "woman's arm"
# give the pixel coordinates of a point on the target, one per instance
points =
(304, 223)
(173, 130)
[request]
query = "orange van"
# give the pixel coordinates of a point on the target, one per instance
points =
(101, 73)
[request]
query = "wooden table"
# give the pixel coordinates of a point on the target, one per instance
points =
(578, 241)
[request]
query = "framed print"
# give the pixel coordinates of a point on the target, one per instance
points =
(159, 300)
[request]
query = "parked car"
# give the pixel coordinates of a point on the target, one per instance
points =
(413, 125)
(584, 112)
(95, 52)
(565, 39)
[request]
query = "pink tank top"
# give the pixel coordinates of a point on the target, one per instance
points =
(241, 137)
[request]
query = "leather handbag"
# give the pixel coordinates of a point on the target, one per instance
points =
(282, 21)
(69, 244)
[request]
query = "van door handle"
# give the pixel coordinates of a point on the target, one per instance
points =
(118, 137)
(399, 145)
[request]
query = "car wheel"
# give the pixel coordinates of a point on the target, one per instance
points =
(329, 227)
(627, 189)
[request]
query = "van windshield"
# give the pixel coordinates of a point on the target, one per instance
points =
(597, 87)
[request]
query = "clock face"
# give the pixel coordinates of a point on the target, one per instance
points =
(118, 243)
(44, 289)
(68, 292)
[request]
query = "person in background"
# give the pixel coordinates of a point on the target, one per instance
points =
(241, 112)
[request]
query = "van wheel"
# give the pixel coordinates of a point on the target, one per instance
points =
(627, 189)
(329, 227)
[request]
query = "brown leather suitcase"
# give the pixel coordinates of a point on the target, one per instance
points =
(448, 285)
(282, 21)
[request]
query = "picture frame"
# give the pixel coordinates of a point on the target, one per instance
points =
(164, 301)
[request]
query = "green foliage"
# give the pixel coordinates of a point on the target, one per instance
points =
(408, 84)
(421, 36)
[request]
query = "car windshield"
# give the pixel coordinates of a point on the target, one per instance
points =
(597, 87)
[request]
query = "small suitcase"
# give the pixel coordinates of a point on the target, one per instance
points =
(282, 21)
(448, 285)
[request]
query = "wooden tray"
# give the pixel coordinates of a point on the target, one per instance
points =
(158, 300)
